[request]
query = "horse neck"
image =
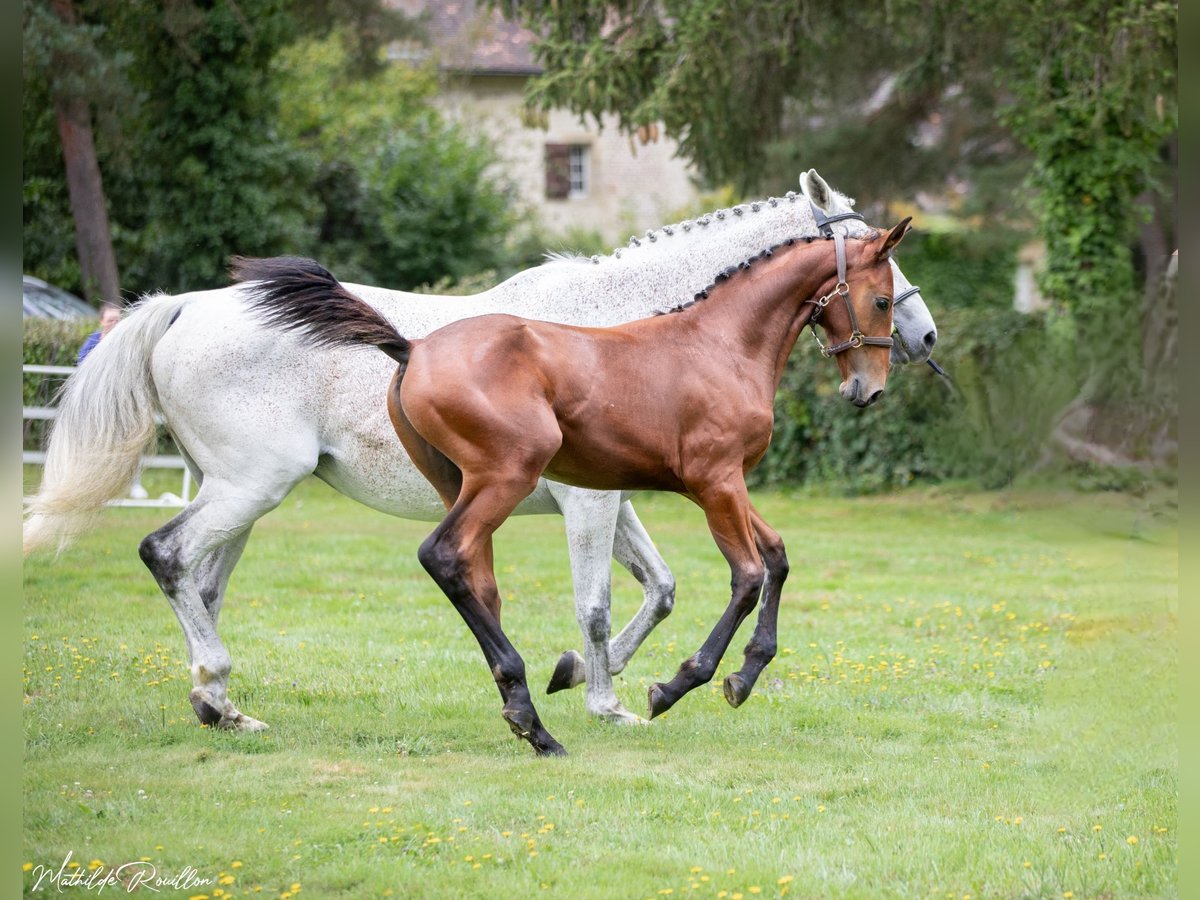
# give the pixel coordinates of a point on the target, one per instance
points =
(759, 313)
(669, 265)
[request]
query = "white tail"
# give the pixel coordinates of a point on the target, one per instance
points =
(105, 423)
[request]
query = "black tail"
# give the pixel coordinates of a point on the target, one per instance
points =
(299, 294)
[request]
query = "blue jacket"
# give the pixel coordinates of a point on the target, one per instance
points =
(88, 346)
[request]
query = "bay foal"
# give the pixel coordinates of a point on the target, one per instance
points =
(681, 402)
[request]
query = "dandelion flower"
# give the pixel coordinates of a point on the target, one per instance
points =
(1131, 840)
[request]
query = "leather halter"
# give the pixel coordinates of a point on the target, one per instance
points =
(842, 289)
(824, 224)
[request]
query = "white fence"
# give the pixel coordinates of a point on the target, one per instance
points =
(38, 457)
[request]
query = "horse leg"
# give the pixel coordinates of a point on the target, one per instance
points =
(456, 556)
(212, 575)
(727, 509)
(214, 570)
(761, 648)
(590, 518)
(637, 553)
(634, 550)
(175, 555)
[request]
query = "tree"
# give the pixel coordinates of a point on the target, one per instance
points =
(1080, 95)
(193, 163)
(64, 53)
(404, 198)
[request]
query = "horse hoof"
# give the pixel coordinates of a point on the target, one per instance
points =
(550, 747)
(241, 722)
(619, 715)
(524, 724)
(659, 701)
(520, 721)
(736, 690)
(206, 712)
(567, 674)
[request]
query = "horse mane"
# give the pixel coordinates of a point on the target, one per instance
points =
(653, 235)
(726, 273)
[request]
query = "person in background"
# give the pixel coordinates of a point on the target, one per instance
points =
(109, 316)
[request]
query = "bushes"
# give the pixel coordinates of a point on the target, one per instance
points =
(48, 342)
(1011, 374)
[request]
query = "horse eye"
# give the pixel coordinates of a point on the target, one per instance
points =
(882, 303)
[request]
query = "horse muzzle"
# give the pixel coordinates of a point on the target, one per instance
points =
(861, 395)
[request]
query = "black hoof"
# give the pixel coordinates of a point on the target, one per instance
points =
(521, 722)
(659, 700)
(736, 690)
(524, 724)
(565, 673)
(551, 747)
(205, 711)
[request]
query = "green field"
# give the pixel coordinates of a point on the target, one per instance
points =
(975, 697)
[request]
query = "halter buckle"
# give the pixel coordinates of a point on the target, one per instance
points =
(856, 340)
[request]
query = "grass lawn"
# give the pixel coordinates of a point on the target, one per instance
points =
(975, 696)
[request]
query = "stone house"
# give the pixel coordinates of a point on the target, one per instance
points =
(574, 176)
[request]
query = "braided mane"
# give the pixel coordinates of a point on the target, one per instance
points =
(654, 235)
(726, 273)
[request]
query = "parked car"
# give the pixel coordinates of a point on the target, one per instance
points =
(47, 301)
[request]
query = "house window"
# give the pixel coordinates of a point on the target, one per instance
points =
(568, 171)
(579, 170)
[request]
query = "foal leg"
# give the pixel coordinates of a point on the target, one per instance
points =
(456, 555)
(761, 649)
(727, 508)
(634, 550)
(590, 518)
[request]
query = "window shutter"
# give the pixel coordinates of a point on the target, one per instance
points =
(558, 171)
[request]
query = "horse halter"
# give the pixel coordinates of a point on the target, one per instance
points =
(824, 224)
(842, 289)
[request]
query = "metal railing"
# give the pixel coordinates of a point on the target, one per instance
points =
(156, 461)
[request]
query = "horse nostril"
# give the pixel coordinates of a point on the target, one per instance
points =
(875, 396)
(930, 339)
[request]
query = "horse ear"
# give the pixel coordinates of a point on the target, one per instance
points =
(815, 188)
(894, 237)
